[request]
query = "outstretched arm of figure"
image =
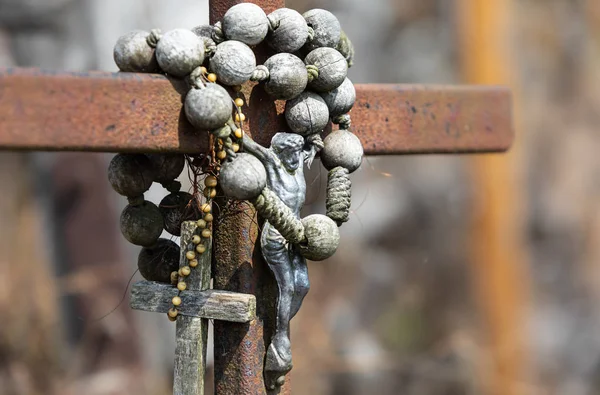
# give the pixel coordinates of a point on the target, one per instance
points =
(314, 144)
(252, 147)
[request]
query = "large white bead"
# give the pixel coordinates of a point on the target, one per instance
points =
(208, 108)
(291, 32)
(288, 76)
(179, 52)
(132, 53)
(333, 69)
(340, 100)
(246, 22)
(322, 235)
(307, 114)
(326, 26)
(243, 178)
(342, 148)
(233, 62)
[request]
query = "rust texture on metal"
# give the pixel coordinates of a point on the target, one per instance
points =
(124, 112)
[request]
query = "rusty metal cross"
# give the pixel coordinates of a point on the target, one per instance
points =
(123, 112)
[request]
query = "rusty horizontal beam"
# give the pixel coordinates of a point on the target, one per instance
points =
(122, 112)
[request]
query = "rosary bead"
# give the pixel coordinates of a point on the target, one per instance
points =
(176, 208)
(246, 22)
(222, 155)
(235, 147)
(190, 255)
(288, 76)
(307, 114)
(206, 208)
(291, 33)
(176, 301)
(212, 77)
(326, 26)
(243, 178)
(185, 271)
(167, 167)
(130, 174)
(156, 263)
(172, 319)
(210, 181)
(208, 108)
(173, 313)
(200, 249)
(239, 133)
(181, 286)
(340, 100)
(174, 276)
(201, 224)
(196, 239)
(239, 102)
(342, 148)
(333, 69)
(133, 54)
(193, 263)
(210, 193)
(206, 233)
(323, 237)
(179, 52)
(234, 62)
(240, 117)
(208, 218)
(237, 88)
(142, 225)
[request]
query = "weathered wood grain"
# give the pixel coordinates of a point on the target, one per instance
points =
(192, 332)
(210, 304)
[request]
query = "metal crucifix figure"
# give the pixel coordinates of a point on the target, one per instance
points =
(284, 163)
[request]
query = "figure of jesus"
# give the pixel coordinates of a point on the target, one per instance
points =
(284, 163)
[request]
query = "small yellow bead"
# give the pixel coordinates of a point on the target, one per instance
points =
(206, 233)
(210, 193)
(172, 319)
(210, 181)
(206, 208)
(196, 239)
(239, 102)
(240, 117)
(237, 88)
(200, 249)
(181, 286)
(201, 224)
(190, 255)
(185, 271)
(194, 263)
(222, 155)
(173, 313)
(235, 147)
(208, 218)
(203, 70)
(212, 77)
(239, 133)
(174, 277)
(176, 301)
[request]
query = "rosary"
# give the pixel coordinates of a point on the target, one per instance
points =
(214, 61)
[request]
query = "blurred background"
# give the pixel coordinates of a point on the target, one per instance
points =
(456, 275)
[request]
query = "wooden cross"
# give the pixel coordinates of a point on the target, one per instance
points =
(108, 112)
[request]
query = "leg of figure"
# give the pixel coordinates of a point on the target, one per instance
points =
(301, 282)
(279, 354)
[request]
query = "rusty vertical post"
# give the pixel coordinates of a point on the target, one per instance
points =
(238, 266)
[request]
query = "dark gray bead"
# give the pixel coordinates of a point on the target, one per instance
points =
(288, 76)
(307, 114)
(176, 208)
(246, 22)
(156, 263)
(243, 178)
(167, 167)
(204, 31)
(179, 52)
(142, 225)
(133, 54)
(208, 108)
(322, 237)
(233, 62)
(130, 174)
(340, 100)
(333, 69)
(291, 32)
(326, 26)
(342, 148)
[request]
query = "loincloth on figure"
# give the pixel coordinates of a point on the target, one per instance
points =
(275, 248)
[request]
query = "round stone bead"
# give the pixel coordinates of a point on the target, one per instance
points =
(208, 108)
(326, 26)
(288, 76)
(243, 178)
(333, 69)
(141, 225)
(342, 148)
(307, 114)
(157, 262)
(133, 54)
(130, 174)
(179, 52)
(246, 22)
(233, 62)
(175, 209)
(340, 100)
(292, 32)
(322, 235)
(167, 167)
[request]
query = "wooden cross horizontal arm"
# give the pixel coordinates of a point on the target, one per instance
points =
(127, 112)
(210, 304)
